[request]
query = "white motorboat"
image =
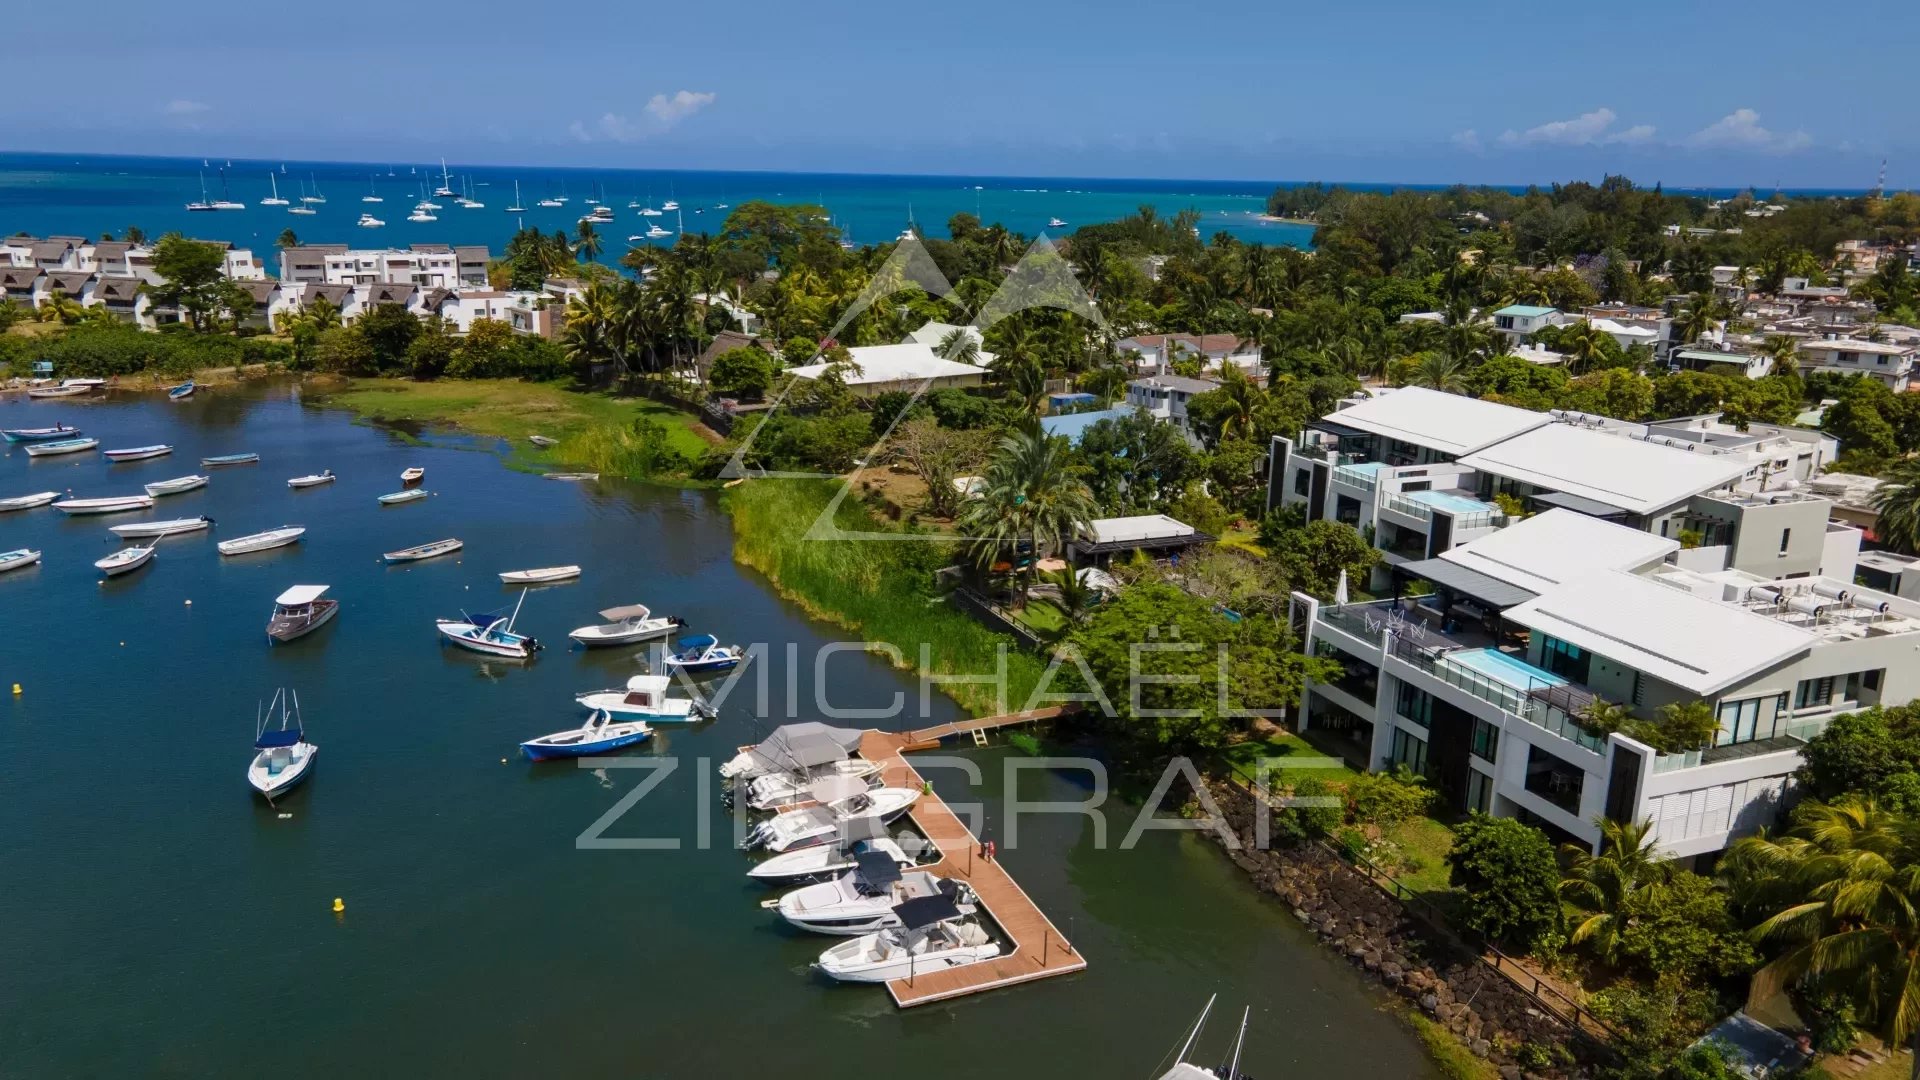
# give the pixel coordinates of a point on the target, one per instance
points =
(646, 696)
(546, 575)
(138, 453)
(176, 485)
(1056, 223)
(601, 734)
(368, 221)
(15, 560)
(300, 611)
(282, 758)
(777, 791)
(161, 528)
(262, 541)
(412, 475)
(625, 626)
(669, 205)
(863, 900)
(573, 476)
(491, 633)
(313, 480)
(423, 551)
(28, 502)
(422, 216)
(119, 505)
(62, 446)
(844, 802)
(407, 496)
(657, 233)
(793, 746)
(934, 935)
(125, 560)
(825, 859)
(543, 441)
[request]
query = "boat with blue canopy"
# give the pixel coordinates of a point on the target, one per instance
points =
(491, 633)
(601, 734)
(701, 653)
(283, 758)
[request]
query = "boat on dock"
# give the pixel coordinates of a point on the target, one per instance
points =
(933, 935)
(118, 505)
(18, 559)
(413, 475)
(625, 626)
(63, 446)
(777, 791)
(805, 745)
(424, 551)
(843, 803)
(646, 696)
(262, 541)
(703, 653)
(544, 576)
(172, 527)
(127, 559)
(399, 497)
(138, 453)
(300, 611)
(283, 758)
(601, 734)
(325, 476)
(826, 859)
(229, 459)
(28, 502)
(182, 392)
(490, 633)
(40, 434)
(176, 485)
(866, 899)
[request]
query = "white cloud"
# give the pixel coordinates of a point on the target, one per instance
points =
(1466, 140)
(1638, 133)
(663, 112)
(1580, 131)
(183, 107)
(684, 103)
(1741, 130)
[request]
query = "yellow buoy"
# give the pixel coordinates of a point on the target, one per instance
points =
(339, 905)
(16, 689)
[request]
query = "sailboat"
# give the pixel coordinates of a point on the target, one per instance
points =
(282, 758)
(371, 195)
(1186, 1070)
(302, 208)
(274, 199)
(204, 204)
(551, 202)
(516, 208)
(445, 190)
(225, 201)
(468, 200)
(314, 196)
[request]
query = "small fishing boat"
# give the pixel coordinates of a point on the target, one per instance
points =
(118, 505)
(413, 475)
(543, 576)
(824, 859)
(161, 528)
(646, 696)
(262, 541)
(182, 392)
(933, 935)
(491, 633)
(424, 551)
(177, 485)
(41, 434)
(601, 734)
(229, 459)
(793, 746)
(867, 898)
(15, 560)
(138, 453)
(703, 653)
(313, 480)
(300, 611)
(65, 390)
(398, 497)
(63, 446)
(283, 758)
(542, 440)
(127, 559)
(1056, 223)
(573, 476)
(28, 502)
(625, 626)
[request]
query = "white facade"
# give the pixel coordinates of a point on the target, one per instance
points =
(430, 266)
(1889, 362)
(1165, 397)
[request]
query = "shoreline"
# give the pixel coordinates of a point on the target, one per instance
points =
(1273, 220)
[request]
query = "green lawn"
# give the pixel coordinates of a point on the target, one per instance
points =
(1043, 617)
(1244, 758)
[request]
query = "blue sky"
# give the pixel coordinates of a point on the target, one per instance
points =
(1684, 93)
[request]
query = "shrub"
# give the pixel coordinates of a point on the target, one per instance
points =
(1511, 881)
(1387, 799)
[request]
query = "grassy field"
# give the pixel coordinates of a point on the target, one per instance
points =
(878, 590)
(596, 431)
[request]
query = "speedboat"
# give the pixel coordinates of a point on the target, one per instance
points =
(625, 626)
(572, 476)
(412, 475)
(182, 392)
(314, 480)
(41, 434)
(300, 611)
(161, 528)
(229, 459)
(407, 496)
(776, 791)
(125, 560)
(63, 446)
(844, 802)
(657, 233)
(424, 551)
(1056, 223)
(793, 746)
(825, 859)
(15, 560)
(28, 502)
(138, 453)
(646, 696)
(283, 758)
(491, 633)
(262, 541)
(368, 221)
(934, 935)
(544, 576)
(118, 505)
(864, 899)
(702, 653)
(176, 485)
(601, 734)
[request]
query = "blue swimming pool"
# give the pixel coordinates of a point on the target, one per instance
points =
(1505, 669)
(1458, 504)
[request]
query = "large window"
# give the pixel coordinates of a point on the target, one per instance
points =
(1409, 750)
(1414, 704)
(1570, 662)
(1479, 792)
(1486, 740)
(1813, 693)
(1302, 481)
(1751, 718)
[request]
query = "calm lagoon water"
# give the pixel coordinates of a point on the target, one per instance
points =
(160, 921)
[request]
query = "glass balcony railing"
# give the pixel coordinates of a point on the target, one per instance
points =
(1367, 622)
(1508, 699)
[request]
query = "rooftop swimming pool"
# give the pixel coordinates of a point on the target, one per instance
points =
(1505, 669)
(1458, 504)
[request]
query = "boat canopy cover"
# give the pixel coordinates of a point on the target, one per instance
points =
(832, 789)
(877, 867)
(921, 912)
(490, 619)
(655, 683)
(621, 614)
(857, 831)
(699, 641)
(270, 739)
(806, 745)
(301, 595)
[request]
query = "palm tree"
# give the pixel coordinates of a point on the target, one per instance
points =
(1842, 894)
(136, 235)
(1585, 346)
(1897, 501)
(960, 345)
(1442, 372)
(1784, 349)
(1242, 398)
(1033, 495)
(1696, 319)
(1600, 886)
(287, 239)
(586, 242)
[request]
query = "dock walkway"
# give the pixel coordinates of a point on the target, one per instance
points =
(976, 726)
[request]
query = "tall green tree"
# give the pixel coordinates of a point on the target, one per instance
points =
(1602, 887)
(1033, 495)
(1897, 501)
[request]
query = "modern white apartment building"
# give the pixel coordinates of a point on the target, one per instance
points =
(1165, 397)
(429, 266)
(1888, 361)
(1484, 683)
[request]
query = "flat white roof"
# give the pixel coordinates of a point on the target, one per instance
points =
(911, 362)
(301, 595)
(1635, 476)
(1698, 644)
(1449, 423)
(935, 332)
(1144, 527)
(1548, 550)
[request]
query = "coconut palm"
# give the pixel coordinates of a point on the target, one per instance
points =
(1585, 345)
(1442, 372)
(586, 242)
(1698, 318)
(1784, 350)
(1897, 501)
(288, 238)
(959, 345)
(1600, 886)
(1032, 495)
(1241, 399)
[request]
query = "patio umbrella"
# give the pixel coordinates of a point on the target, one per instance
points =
(1340, 590)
